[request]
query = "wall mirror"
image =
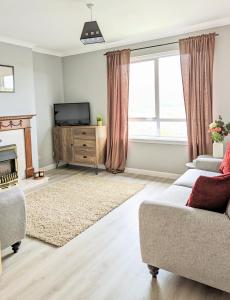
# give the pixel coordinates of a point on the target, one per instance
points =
(6, 79)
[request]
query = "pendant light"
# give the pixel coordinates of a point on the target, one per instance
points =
(91, 33)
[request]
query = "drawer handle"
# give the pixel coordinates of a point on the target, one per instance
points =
(84, 156)
(84, 145)
(83, 132)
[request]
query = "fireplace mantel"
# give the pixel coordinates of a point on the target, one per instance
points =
(21, 122)
(15, 122)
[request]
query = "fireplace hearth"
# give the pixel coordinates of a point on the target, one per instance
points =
(8, 166)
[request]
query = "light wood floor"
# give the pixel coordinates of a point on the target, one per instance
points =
(103, 263)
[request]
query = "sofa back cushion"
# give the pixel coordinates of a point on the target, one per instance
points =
(225, 165)
(211, 193)
(189, 178)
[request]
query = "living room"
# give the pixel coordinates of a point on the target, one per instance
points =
(114, 150)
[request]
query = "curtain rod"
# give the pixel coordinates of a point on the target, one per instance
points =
(159, 45)
(135, 49)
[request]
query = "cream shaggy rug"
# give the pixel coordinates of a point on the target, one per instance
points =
(59, 212)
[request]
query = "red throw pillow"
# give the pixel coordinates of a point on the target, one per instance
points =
(225, 165)
(211, 193)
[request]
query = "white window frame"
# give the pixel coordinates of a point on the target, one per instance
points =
(157, 119)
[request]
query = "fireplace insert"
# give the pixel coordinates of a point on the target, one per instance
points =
(8, 166)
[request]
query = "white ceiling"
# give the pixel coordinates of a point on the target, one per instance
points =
(55, 25)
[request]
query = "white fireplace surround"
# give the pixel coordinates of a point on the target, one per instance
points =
(16, 137)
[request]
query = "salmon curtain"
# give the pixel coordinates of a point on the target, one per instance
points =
(118, 63)
(197, 55)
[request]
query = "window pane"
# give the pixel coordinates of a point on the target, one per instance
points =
(170, 88)
(142, 129)
(173, 129)
(142, 90)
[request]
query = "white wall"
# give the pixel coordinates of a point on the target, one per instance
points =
(38, 84)
(48, 82)
(221, 87)
(85, 79)
(21, 102)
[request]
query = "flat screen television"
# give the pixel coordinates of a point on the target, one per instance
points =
(72, 114)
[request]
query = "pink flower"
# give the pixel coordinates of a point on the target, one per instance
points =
(218, 129)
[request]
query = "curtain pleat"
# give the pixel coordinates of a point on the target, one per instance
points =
(118, 63)
(197, 56)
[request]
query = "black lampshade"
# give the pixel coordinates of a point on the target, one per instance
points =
(91, 33)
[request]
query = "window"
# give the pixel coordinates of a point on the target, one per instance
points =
(156, 105)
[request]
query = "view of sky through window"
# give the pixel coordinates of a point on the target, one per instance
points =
(156, 104)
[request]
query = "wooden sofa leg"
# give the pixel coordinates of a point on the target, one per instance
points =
(16, 246)
(153, 271)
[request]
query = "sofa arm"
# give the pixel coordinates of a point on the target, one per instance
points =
(190, 242)
(208, 163)
(12, 216)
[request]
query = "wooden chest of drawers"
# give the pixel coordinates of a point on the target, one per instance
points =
(80, 144)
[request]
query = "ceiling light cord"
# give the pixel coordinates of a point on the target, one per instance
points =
(90, 7)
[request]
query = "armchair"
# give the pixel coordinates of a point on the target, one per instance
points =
(12, 218)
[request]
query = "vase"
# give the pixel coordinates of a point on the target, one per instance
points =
(99, 123)
(218, 150)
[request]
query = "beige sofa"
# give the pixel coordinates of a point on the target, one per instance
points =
(190, 242)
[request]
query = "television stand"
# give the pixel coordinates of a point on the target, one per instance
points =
(80, 145)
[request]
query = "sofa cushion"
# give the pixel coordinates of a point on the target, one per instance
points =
(174, 194)
(211, 193)
(208, 163)
(189, 177)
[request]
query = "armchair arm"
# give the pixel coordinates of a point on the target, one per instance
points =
(208, 163)
(191, 242)
(12, 216)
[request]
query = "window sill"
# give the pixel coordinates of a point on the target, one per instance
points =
(158, 140)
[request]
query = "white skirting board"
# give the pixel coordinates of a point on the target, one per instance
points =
(52, 166)
(129, 171)
(152, 173)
